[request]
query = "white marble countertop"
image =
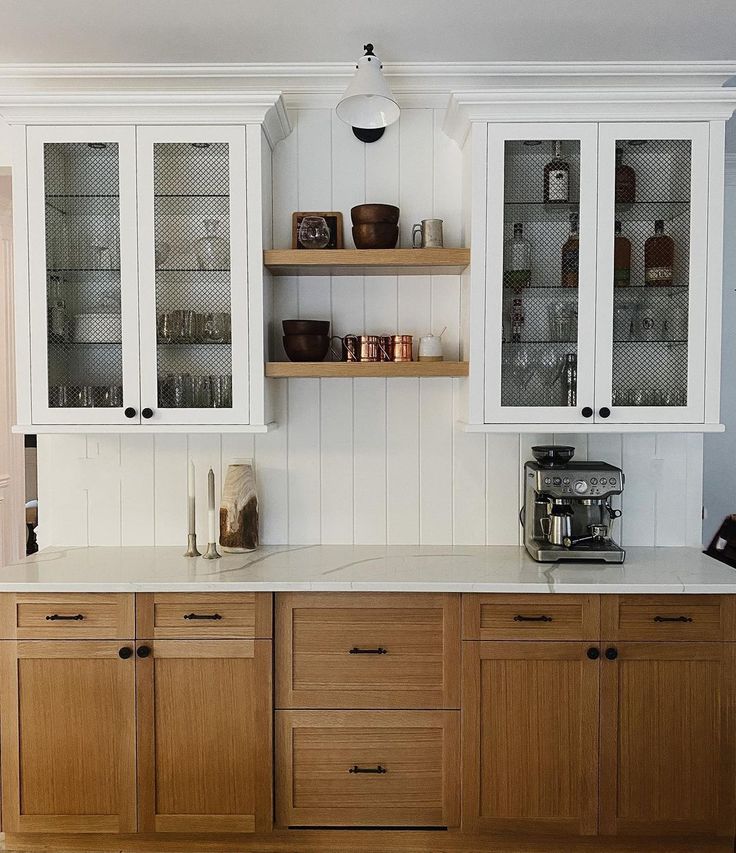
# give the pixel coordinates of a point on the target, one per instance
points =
(399, 568)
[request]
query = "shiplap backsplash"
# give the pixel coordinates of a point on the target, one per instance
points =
(358, 460)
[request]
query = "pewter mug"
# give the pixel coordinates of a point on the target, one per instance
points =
(429, 232)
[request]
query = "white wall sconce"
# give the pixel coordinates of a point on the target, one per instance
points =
(368, 104)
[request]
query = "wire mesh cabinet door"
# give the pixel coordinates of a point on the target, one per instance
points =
(193, 275)
(653, 193)
(83, 286)
(540, 273)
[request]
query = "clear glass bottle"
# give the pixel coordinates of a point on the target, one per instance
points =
(517, 320)
(571, 255)
(58, 318)
(517, 260)
(557, 178)
(621, 258)
(625, 180)
(213, 251)
(659, 256)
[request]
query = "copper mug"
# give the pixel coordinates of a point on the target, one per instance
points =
(363, 348)
(402, 348)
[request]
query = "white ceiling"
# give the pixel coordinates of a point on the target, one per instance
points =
(334, 30)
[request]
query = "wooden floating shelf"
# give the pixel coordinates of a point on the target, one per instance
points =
(366, 261)
(352, 369)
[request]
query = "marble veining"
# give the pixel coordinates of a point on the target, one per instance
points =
(398, 568)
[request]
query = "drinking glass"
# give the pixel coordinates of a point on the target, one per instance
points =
(202, 392)
(222, 391)
(86, 396)
(314, 232)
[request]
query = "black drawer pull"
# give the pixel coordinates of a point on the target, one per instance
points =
(379, 651)
(214, 616)
(378, 769)
(56, 617)
(520, 618)
(673, 619)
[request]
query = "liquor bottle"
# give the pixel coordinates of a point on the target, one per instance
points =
(58, 320)
(625, 180)
(517, 320)
(570, 255)
(659, 255)
(621, 258)
(570, 380)
(517, 260)
(557, 178)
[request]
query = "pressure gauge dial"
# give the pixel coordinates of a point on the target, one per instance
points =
(580, 487)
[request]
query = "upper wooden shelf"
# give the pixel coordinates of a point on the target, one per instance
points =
(366, 261)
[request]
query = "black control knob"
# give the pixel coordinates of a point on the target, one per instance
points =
(593, 653)
(144, 651)
(129, 412)
(126, 652)
(604, 412)
(611, 654)
(587, 412)
(147, 413)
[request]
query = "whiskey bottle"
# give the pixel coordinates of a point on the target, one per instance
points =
(517, 260)
(570, 255)
(625, 180)
(517, 320)
(659, 256)
(621, 258)
(557, 178)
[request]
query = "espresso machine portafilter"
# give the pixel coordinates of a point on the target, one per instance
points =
(567, 512)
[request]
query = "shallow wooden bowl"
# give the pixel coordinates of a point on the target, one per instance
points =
(363, 214)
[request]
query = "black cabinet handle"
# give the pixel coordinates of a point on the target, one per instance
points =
(379, 651)
(125, 653)
(587, 412)
(378, 769)
(129, 412)
(147, 413)
(211, 616)
(673, 619)
(143, 651)
(593, 653)
(611, 654)
(57, 617)
(520, 618)
(604, 412)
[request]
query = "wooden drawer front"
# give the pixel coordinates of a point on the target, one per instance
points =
(181, 615)
(40, 616)
(530, 617)
(667, 617)
(324, 761)
(368, 651)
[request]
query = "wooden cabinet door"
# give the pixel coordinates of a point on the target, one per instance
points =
(667, 743)
(204, 735)
(68, 735)
(530, 737)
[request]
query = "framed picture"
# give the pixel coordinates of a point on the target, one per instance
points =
(334, 223)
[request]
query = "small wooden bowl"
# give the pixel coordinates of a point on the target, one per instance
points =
(364, 214)
(306, 347)
(375, 235)
(306, 327)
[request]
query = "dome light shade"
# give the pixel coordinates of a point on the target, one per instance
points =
(368, 103)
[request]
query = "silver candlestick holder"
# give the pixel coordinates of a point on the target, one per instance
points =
(211, 553)
(192, 546)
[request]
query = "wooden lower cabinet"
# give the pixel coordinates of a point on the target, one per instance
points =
(667, 739)
(68, 735)
(204, 736)
(368, 768)
(530, 738)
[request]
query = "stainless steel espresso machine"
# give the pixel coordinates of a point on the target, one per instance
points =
(567, 514)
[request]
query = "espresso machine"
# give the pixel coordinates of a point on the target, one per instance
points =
(567, 514)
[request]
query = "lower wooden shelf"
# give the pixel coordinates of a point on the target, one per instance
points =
(385, 369)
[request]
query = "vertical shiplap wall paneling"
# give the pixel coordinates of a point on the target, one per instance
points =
(367, 460)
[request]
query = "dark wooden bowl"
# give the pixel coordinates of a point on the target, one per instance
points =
(376, 235)
(306, 347)
(363, 214)
(306, 327)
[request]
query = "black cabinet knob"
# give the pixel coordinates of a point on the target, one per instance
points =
(587, 412)
(144, 651)
(147, 413)
(593, 653)
(125, 653)
(129, 412)
(611, 654)
(604, 412)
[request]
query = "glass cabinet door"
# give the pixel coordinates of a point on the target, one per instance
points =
(82, 266)
(192, 243)
(653, 185)
(540, 276)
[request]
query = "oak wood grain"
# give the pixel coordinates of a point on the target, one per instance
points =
(23, 615)
(513, 616)
(648, 617)
(167, 615)
(385, 369)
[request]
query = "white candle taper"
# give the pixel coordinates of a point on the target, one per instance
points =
(211, 506)
(191, 501)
